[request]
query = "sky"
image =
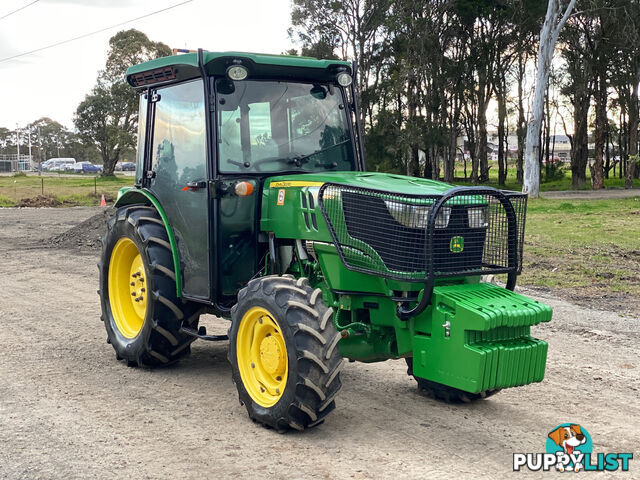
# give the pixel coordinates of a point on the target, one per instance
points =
(52, 83)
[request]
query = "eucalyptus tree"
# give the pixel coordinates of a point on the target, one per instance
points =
(625, 58)
(556, 17)
(496, 30)
(604, 24)
(578, 87)
(520, 20)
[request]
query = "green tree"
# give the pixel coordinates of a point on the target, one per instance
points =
(7, 140)
(351, 27)
(625, 79)
(108, 116)
(49, 139)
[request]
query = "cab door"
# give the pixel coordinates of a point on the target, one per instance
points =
(178, 177)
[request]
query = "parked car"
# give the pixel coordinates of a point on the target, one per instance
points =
(128, 167)
(58, 164)
(86, 167)
(125, 167)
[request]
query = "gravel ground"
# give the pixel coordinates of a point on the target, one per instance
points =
(68, 409)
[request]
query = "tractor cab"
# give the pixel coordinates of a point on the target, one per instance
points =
(212, 128)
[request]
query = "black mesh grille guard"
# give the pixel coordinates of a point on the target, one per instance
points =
(417, 238)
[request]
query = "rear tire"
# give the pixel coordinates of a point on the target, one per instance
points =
(146, 333)
(295, 378)
(446, 393)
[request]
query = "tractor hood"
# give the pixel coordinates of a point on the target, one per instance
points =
(378, 181)
(290, 207)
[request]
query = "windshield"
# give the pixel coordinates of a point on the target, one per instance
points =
(268, 126)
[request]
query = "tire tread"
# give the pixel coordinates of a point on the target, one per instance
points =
(165, 343)
(318, 361)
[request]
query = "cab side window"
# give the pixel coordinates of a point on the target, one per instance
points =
(178, 152)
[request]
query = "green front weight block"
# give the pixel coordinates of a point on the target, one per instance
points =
(477, 338)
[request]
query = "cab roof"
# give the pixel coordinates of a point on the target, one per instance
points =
(183, 67)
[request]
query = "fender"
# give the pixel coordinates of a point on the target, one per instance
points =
(133, 195)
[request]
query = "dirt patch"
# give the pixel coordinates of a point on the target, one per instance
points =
(40, 201)
(53, 201)
(84, 236)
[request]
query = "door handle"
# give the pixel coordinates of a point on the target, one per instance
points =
(194, 186)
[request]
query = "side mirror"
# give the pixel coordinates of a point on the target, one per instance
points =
(225, 86)
(319, 92)
(227, 102)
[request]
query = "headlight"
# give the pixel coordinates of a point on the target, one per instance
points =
(344, 79)
(477, 217)
(237, 72)
(416, 216)
(442, 220)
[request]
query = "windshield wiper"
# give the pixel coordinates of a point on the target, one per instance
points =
(299, 159)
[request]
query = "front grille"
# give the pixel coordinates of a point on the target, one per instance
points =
(385, 243)
(411, 237)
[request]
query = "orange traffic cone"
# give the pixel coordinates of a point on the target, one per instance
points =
(103, 203)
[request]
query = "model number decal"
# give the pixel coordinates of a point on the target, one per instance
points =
(295, 183)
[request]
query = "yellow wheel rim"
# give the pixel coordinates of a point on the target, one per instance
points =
(262, 356)
(127, 288)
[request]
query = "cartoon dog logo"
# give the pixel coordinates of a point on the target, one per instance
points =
(569, 448)
(568, 438)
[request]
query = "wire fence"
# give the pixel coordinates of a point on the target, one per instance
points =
(83, 189)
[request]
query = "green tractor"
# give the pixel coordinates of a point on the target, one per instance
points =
(251, 202)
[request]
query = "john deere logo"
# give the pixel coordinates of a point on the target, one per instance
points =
(457, 244)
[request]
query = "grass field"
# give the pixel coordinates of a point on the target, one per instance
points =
(70, 190)
(563, 183)
(63, 190)
(590, 247)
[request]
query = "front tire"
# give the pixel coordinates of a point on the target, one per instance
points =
(283, 353)
(140, 309)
